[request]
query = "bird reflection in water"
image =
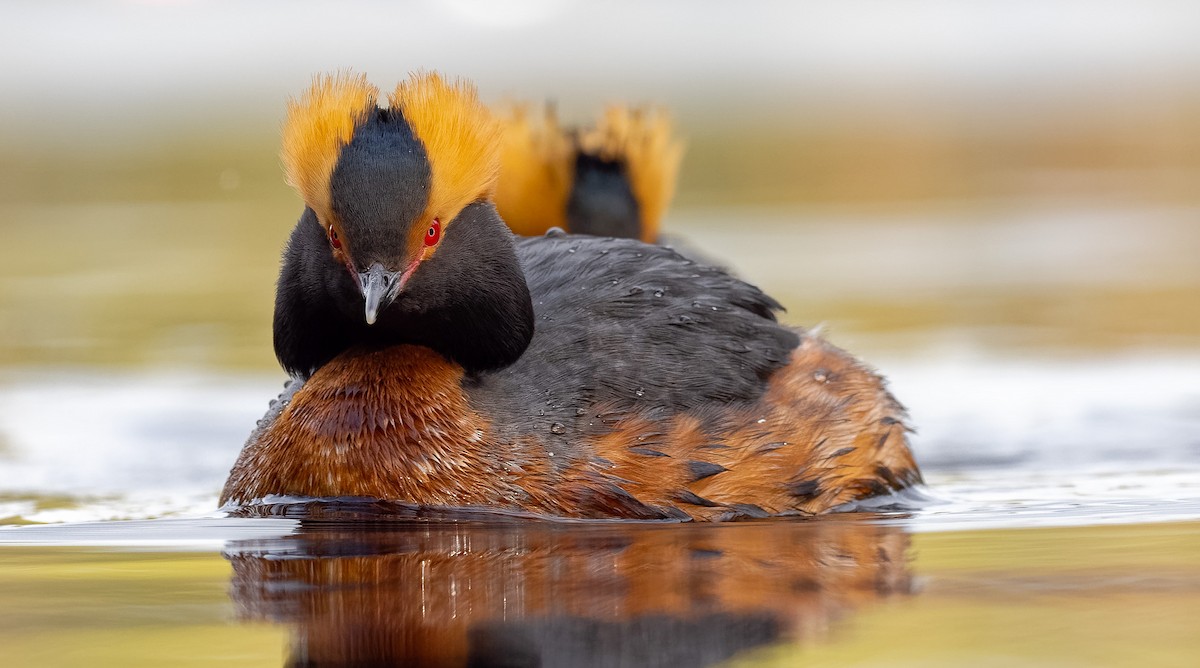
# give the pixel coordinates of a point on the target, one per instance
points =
(428, 592)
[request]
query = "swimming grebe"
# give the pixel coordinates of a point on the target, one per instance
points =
(442, 362)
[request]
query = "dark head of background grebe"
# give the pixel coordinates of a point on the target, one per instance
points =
(615, 178)
(444, 363)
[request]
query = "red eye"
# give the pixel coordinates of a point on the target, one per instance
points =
(434, 233)
(333, 238)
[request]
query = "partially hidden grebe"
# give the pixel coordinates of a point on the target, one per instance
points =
(615, 178)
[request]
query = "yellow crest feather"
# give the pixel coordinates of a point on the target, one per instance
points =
(642, 139)
(536, 160)
(318, 125)
(461, 139)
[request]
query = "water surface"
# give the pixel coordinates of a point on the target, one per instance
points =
(830, 591)
(1060, 526)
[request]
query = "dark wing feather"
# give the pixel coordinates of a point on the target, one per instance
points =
(624, 326)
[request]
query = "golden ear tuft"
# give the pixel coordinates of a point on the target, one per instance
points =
(461, 139)
(642, 139)
(536, 160)
(318, 125)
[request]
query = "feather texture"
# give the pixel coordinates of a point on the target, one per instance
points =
(461, 139)
(318, 125)
(535, 168)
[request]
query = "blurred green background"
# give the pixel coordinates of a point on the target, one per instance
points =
(900, 171)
